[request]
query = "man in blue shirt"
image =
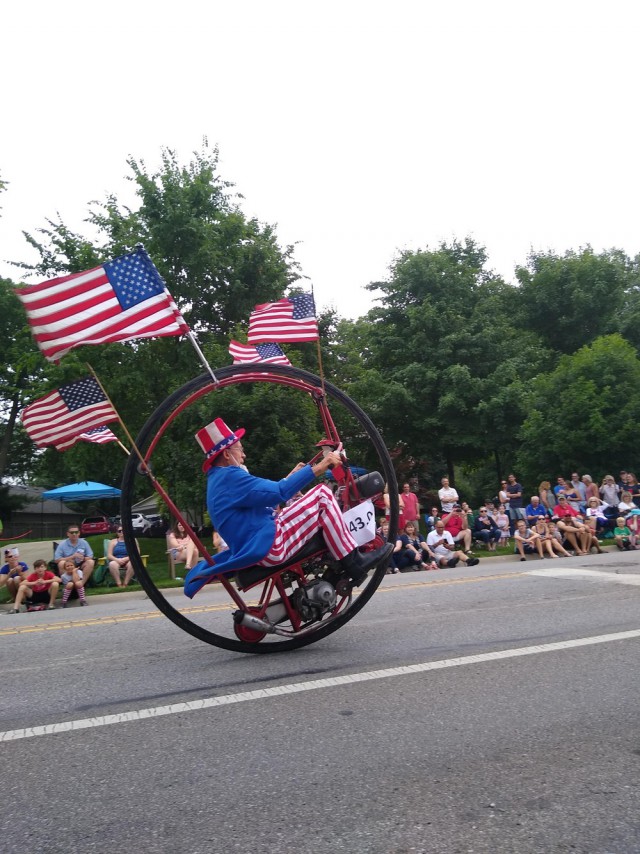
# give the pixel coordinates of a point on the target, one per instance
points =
(243, 509)
(535, 510)
(78, 549)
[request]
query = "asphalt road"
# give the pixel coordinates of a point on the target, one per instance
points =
(493, 709)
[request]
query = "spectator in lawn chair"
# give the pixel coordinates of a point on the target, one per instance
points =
(78, 550)
(38, 588)
(486, 530)
(431, 519)
(411, 505)
(181, 546)
(441, 543)
(71, 578)
(625, 505)
(527, 541)
(457, 525)
(119, 562)
(12, 572)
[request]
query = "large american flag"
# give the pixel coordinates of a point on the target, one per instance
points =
(123, 299)
(270, 353)
(289, 319)
(66, 413)
(98, 436)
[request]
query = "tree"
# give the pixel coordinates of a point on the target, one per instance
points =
(570, 300)
(584, 414)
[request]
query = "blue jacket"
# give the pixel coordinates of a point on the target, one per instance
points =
(242, 509)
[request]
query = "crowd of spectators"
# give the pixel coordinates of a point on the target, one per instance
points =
(572, 517)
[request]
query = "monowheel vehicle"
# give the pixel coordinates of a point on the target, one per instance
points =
(305, 599)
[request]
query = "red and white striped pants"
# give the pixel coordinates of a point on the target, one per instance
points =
(296, 524)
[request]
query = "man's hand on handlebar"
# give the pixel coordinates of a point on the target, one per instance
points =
(333, 458)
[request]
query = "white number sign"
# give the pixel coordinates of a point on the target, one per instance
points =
(361, 522)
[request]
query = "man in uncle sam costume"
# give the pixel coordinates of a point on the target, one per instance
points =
(242, 509)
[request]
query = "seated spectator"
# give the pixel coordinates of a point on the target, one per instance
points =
(486, 530)
(12, 572)
(550, 543)
(441, 543)
(411, 505)
(634, 488)
(410, 552)
(181, 546)
(595, 516)
(38, 588)
(535, 510)
(383, 533)
(502, 521)
(447, 495)
(119, 561)
(431, 519)
(79, 550)
(71, 578)
(527, 541)
(572, 527)
(633, 524)
(468, 512)
(219, 544)
(622, 534)
(455, 522)
(625, 505)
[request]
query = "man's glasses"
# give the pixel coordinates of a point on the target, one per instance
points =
(73, 532)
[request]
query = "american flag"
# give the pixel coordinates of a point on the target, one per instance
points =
(66, 413)
(99, 435)
(123, 299)
(289, 319)
(260, 353)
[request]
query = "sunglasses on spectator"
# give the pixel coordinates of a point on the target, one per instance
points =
(73, 532)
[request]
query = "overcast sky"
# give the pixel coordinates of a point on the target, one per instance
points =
(358, 128)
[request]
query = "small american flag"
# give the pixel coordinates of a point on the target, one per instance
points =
(68, 412)
(290, 319)
(271, 353)
(123, 299)
(99, 435)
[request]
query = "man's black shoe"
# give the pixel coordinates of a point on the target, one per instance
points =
(357, 564)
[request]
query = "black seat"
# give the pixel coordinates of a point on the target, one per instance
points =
(251, 575)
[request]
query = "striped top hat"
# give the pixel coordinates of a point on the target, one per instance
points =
(215, 438)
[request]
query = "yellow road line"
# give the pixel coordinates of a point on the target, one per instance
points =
(204, 609)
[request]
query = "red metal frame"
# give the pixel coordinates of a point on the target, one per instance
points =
(342, 475)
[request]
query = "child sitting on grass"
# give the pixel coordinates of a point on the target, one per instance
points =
(622, 534)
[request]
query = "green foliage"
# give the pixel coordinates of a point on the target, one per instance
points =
(570, 300)
(584, 414)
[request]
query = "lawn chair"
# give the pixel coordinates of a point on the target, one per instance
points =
(101, 574)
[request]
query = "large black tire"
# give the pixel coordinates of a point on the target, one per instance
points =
(131, 472)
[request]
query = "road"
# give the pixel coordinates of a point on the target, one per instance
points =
(493, 709)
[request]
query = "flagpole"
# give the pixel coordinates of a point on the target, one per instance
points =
(201, 356)
(125, 449)
(158, 488)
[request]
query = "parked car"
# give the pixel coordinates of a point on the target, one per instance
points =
(140, 523)
(95, 525)
(158, 526)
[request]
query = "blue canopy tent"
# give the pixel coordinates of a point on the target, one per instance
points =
(83, 491)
